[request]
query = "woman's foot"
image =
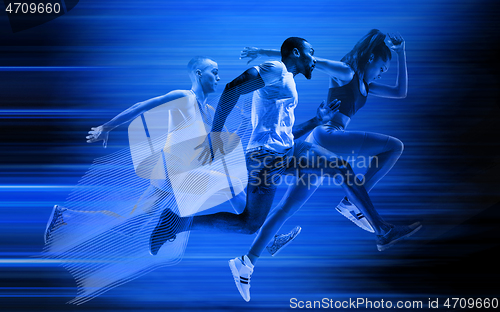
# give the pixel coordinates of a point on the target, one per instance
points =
(396, 234)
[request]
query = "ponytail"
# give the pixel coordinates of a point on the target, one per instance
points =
(371, 43)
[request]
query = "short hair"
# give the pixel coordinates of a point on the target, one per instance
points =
(195, 62)
(291, 43)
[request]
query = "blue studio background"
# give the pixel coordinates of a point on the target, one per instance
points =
(79, 70)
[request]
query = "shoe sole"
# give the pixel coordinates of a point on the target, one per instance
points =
(386, 246)
(51, 219)
(236, 277)
(346, 213)
(286, 244)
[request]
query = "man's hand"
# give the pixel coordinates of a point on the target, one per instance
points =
(325, 113)
(249, 52)
(212, 144)
(98, 134)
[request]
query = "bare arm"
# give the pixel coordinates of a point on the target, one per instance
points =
(102, 132)
(400, 90)
(336, 70)
(339, 71)
(252, 53)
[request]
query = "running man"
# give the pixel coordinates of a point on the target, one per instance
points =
(186, 106)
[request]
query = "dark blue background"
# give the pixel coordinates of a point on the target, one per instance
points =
(104, 56)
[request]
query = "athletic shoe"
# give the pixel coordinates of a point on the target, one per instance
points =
(55, 221)
(351, 212)
(396, 234)
(164, 231)
(281, 240)
(242, 269)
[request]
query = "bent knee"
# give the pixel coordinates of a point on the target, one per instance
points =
(395, 145)
(250, 225)
(253, 227)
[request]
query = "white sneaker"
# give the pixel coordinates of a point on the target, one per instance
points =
(281, 240)
(242, 269)
(351, 212)
(55, 221)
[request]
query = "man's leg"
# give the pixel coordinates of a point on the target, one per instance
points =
(265, 167)
(313, 160)
(238, 202)
(253, 216)
(248, 222)
(62, 216)
(295, 197)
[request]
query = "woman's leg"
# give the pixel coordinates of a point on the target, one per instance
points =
(384, 150)
(319, 161)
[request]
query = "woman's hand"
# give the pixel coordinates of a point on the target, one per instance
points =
(395, 42)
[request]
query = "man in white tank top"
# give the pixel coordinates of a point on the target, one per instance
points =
(183, 107)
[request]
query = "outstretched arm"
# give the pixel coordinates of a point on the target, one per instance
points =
(102, 132)
(253, 53)
(400, 90)
(339, 71)
(336, 70)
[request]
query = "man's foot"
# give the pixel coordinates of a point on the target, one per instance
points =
(351, 212)
(242, 269)
(55, 221)
(396, 234)
(281, 240)
(164, 231)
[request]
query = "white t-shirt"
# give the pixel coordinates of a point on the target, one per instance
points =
(273, 108)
